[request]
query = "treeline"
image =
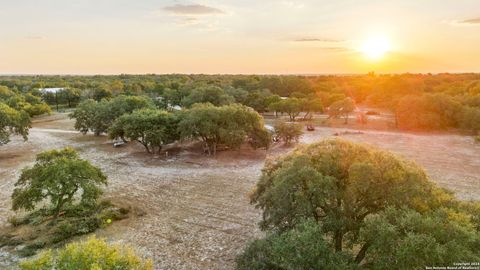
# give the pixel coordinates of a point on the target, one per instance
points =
(267, 93)
(437, 112)
(138, 119)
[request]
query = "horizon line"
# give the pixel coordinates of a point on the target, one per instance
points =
(235, 74)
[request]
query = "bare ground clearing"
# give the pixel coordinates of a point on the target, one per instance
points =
(197, 210)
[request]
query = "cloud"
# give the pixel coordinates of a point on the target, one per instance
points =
(474, 21)
(312, 39)
(471, 21)
(193, 9)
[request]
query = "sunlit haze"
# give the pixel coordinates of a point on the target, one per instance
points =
(265, 37)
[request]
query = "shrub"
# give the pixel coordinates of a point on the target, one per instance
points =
(288, 132)
(92, 254)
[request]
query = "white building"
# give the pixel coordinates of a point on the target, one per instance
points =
(51, 90)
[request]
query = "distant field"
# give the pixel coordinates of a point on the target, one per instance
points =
(197, 213)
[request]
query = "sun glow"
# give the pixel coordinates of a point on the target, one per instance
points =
(375, 48)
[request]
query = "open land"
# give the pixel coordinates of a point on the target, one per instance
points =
(195, 211)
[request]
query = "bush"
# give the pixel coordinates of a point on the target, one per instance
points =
(42, 231)
(92, 254)
(288, 132)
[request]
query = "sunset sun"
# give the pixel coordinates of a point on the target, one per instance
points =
(375, 48)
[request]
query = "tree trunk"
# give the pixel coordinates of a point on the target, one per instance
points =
(59, 206)
(305, 116)
(56, 100)
(338, 239)
(361, 253)
(146, 147)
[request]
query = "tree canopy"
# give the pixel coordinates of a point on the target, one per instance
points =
(376, 208)
(342, 108)
(12, 122)
(97, 117)
(58, 175)
(229, 125)
(150, 127)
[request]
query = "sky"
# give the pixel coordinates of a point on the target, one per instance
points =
(238, 36)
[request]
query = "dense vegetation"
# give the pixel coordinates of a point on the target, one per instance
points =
(419, 102)
(91, 254)
(339, 205)
(458, 92)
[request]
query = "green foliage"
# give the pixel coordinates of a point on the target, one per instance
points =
(150, 127)
(70, 96)
(366, 205)
(406, 239)
(229, 125)
(259, 100)
(262, 91)
(290, 106)
(85, 117)
(36, 230)
(303, 247)
(99, 116)
(93, 254)
(207, 94)
(361, 180)
(15, 112)
(311, 105)
(31, 104)
(341, 108)
(427, 112)
(58, 175)
(260, 138)
(12, 122)
(100, 93)
(5, 92)
(469, 119)
(288, 132)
